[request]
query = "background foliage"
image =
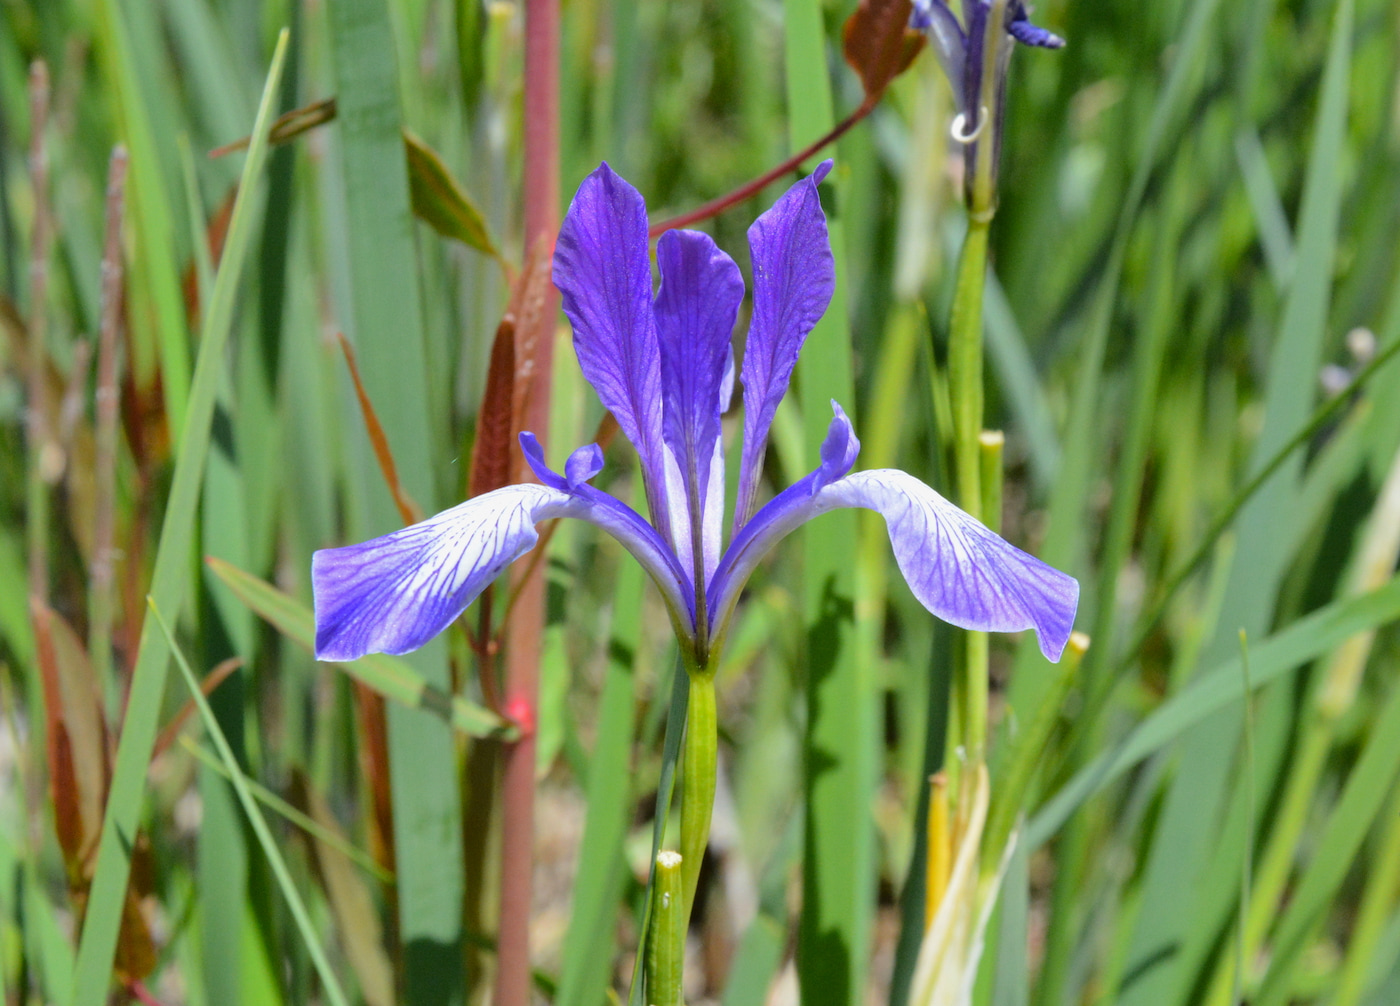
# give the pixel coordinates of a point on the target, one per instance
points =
(1195, 251)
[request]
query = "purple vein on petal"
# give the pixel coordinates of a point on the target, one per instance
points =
(602, 270)
(957, 568)
(700, 294)
(394, 593)
(794, 276)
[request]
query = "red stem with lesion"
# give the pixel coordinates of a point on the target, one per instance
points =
(526, 623)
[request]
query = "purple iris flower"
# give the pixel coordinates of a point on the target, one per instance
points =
(963, 56)
(664, 367)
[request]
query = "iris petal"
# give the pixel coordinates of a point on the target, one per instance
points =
(959, 569)
(1019, 26)
(794, 277)
(393, 594)
(701, 291)
(603, 271)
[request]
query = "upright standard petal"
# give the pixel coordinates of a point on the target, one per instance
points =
(603, 271)
(959, 569)
(701, 291)
(794, 276)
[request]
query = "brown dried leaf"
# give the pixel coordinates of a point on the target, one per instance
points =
(374, 763)
(136, 951)
(211, 682)
(408, 509)
(879, 45)
(534, 323)
(491, 451)
(79, 759)
(63, 779)
(288, 126)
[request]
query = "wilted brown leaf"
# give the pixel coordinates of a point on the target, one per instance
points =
(879, 45)
(289, 126)
(79, 761)
(409, 510)
(530, 300)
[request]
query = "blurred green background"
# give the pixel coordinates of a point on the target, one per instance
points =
(1194, 260)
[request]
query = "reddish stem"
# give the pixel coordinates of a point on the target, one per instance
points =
(141, 994)
(101, 604)
(526, 626)
(39, 434)
(717, 206)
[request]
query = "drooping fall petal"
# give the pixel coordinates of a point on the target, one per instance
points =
(959, 570)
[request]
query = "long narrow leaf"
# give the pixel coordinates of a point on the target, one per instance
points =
(250, 807)
(170, 586)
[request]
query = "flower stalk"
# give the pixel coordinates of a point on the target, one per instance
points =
(698, 779)
(974, 53)
(666, 945)
(525, 628)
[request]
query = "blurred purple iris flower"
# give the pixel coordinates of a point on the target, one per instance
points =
(963, 55)
(664, 367)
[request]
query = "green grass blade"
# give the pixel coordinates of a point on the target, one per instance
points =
(1275, 236)
(170, 586)
(1363, 796)
(150, 210)
(281, 807)
(591, 943)
(1369, 946)
(1212, 691)
(1020, 385)
(1081, 441)
(1183, 845)
(838, 861)
(755, 962)
(264, 835)
(385, 322)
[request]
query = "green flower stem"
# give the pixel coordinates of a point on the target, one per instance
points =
(965, 391)
(990, 444)
(697, 780)
(669, 916)
(982, 186)
(965, 365)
